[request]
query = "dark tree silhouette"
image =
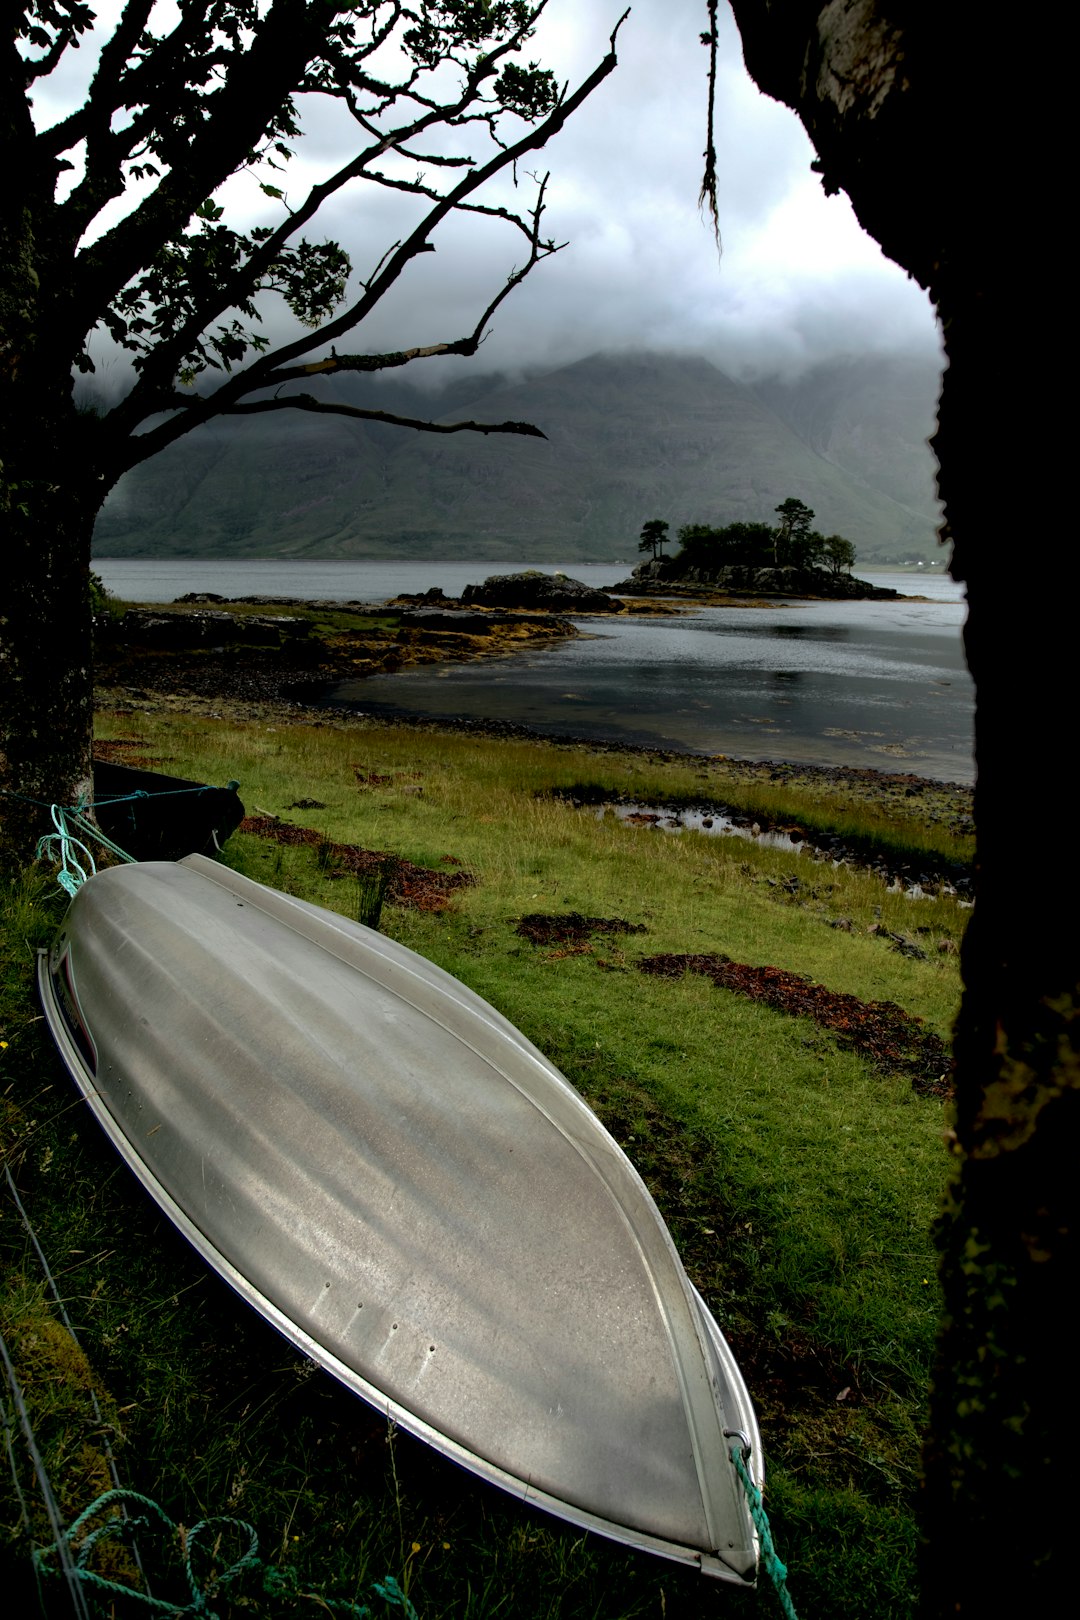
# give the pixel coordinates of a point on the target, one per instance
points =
(872, 83)
(653, 535)
(792, 533)
(837, 553)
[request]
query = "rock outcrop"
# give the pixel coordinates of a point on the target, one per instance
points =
(548, 592)
(665, 574)
(209, 628)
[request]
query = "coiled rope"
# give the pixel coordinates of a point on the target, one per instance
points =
(70, 852)
(80, 1541)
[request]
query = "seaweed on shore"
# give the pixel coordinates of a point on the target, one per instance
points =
(418, 887)
(891, 1039)
(570, 927)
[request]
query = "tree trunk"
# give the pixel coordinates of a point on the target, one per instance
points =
(50, 490)
(46, 679)
(907, 105)
(47, 506)
(1001, 1454)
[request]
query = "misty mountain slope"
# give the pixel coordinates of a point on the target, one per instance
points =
(870, 417)
(245, 487)
(629, 437)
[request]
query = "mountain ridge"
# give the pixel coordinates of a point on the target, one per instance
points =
(628, 437)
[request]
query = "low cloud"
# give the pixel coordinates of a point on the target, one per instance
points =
(798, 282)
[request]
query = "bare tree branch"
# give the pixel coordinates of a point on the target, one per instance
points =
(419, 189)
(159, 371)
(260, 372)
(460, 346)
(307, 402)
(194, 411)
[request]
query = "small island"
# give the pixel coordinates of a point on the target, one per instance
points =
(752, 559)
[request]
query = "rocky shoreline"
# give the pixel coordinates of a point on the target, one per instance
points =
(291, 648)
(675, 576)
(280, 650)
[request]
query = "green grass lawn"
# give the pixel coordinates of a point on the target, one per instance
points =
(800, 1182)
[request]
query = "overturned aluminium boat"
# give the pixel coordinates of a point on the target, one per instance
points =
(411, 1193)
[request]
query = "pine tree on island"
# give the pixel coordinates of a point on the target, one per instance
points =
(653, 535)
(791, 540)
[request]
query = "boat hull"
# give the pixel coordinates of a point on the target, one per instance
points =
(404, 1186)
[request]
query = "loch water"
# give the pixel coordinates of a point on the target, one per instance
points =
(879, 684)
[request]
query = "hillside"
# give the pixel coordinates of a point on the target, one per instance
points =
(628, 437)
(870, 418)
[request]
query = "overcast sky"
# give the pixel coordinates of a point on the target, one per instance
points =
(798, 281)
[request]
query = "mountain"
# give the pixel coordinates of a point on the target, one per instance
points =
(871, 418)
(629, 437)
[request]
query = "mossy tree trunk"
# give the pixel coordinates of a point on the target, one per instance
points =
(912, 108)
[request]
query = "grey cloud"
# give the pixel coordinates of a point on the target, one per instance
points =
(797, 283)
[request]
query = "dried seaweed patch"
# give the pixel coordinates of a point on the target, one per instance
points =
(892, 1039)
(407, 884)
(570, 927)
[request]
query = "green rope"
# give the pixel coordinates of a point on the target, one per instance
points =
(769, 1557)
(71, 852)
(79, 1542)
(115, 1525)
(126, 798)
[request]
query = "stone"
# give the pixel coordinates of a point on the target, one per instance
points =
(535, 590)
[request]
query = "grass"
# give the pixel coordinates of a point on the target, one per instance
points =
(799, 1182)
(324, 618)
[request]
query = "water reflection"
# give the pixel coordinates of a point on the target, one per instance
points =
(879, 683)
(807, 632)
